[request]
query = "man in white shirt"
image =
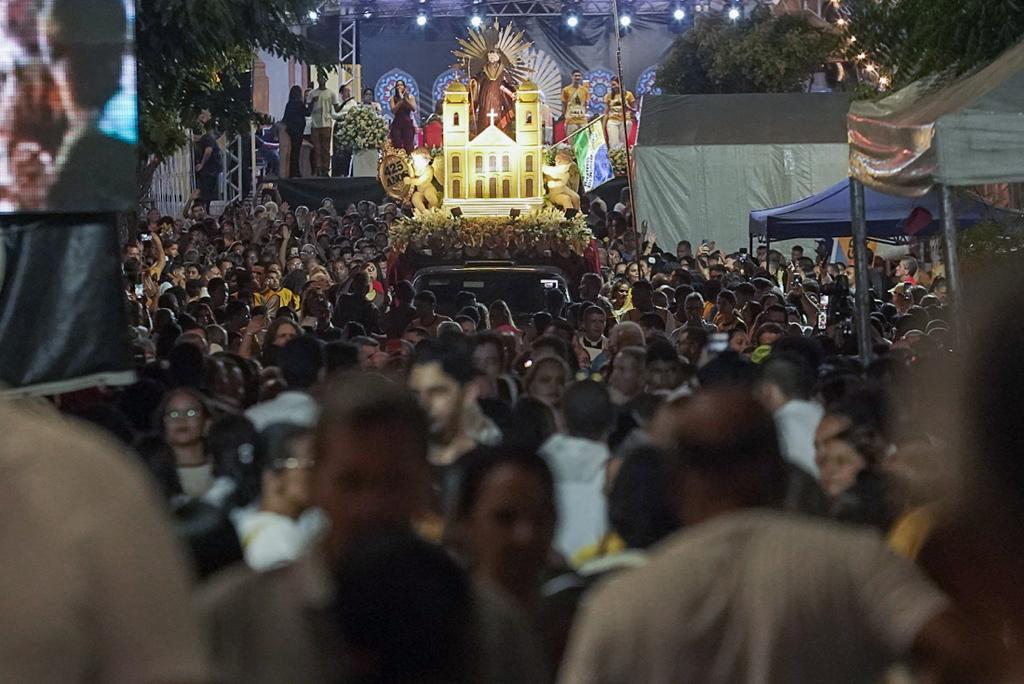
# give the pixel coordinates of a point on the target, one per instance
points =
(271, 533)
(787, 382)
(322, 106)
(343, 156)
(746, 594)
(577, 461)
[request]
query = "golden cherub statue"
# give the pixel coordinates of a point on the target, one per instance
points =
(558, 176)
(424, 195)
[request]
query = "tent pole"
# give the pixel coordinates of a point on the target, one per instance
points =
(625, 126)
(949, 240)
(860, 253)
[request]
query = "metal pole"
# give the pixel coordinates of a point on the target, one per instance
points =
(953, 296)
(625, 125)
(860, 254)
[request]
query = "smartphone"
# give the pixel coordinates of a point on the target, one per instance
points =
(743, 250)
(145, 237)
(718, 342)
(823, 312)
(138, 289)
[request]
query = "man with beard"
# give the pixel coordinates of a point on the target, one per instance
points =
(442, 380)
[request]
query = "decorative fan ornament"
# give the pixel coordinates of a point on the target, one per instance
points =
(509, 44)
(545, 73)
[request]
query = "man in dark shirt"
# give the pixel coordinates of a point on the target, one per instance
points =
(208, 166)
(402, 313)
(94, 171)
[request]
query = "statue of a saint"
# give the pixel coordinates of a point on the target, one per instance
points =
(493, 94)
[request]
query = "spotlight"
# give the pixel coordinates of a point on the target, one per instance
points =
(734, 13)
(475, 16)
(625, 20)
(514, 213)
(571, 14)
(421, 18)
(312, 15)
(456, 212)
(678, 14)
(367, 14)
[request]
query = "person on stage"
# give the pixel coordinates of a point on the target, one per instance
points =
(493, 94)
(575, 98)
(403, 130)
(321, 106)
(617, 125)
(368, 100)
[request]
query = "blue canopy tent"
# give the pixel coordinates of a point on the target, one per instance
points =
(828, 215)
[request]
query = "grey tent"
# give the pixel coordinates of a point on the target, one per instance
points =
(704, 162)
(927, 135)
(970, 132)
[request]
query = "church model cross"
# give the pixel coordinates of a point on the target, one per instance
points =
(492, 115)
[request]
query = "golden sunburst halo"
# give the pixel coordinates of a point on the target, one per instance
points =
(509, 43)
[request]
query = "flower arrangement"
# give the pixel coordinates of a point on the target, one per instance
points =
(617, 156)
(552, 150)
(541, 229)
(361, 128)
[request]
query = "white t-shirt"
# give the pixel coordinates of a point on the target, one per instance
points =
(755, 596)
(578, 468)
(796, 422)
(270, 539)
(321, 115)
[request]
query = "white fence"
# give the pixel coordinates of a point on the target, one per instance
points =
(173, 182)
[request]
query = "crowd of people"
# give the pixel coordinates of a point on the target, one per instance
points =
(677, 471)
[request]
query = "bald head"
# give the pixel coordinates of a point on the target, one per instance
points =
(625, 334)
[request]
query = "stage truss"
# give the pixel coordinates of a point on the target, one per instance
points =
(515, 8)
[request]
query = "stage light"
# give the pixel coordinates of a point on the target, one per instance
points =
(367, 13)
(475, 20)
(734, 13)
(625, 20)
(571, 14)
(678, 14)
(312, 15)
(421, 18)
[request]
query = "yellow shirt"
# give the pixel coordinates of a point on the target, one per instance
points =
(613, 106)
(574, 103)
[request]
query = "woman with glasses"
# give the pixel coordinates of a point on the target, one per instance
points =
(182, 419)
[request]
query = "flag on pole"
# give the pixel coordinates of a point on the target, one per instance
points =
(592, 157)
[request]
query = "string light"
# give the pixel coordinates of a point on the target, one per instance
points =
(882, 78)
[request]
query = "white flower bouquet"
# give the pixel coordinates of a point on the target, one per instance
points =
(361, 128)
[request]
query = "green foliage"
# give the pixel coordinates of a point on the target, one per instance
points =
(194, 54)
(916, 38)
(760, 54)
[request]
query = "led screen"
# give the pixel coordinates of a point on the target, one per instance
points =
(68, 106)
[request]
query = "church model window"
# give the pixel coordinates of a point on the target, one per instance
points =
(529, 187)
(479, 189)
(455, 119)
(504, 163)
(479, 163)
(529, 118)
(492, 163)
(457, 189)
(506, 189)
(492, 187)
(455, 164)
(529, 164)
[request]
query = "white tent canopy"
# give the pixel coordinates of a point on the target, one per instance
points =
(704, 162)
(970, 132)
